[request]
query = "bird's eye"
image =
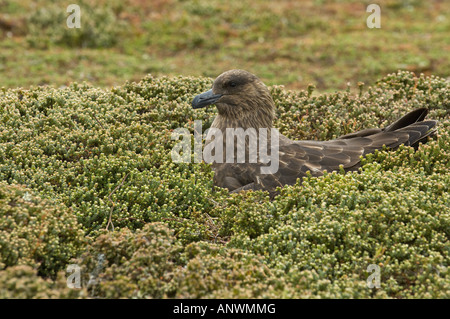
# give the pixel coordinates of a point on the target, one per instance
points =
(233, 84)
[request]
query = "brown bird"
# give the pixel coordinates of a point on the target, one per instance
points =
(243, 101)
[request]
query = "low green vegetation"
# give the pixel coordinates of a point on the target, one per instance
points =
(290, 42)
(87, 179)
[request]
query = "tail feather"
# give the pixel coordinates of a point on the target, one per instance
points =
(410, 130)
(412, 117)
(419, 132)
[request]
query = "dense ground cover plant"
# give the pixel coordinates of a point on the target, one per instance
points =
(73, 158)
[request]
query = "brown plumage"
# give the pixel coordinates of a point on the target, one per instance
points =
(243, 101)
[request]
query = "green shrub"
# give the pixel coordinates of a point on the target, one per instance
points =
(106, 154)
(36, 232)
(151, 263)
(99, 27)
(23, 282)
(340, 224)
(132, 264)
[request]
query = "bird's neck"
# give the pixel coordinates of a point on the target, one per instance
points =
(223, 123)
(256, 120)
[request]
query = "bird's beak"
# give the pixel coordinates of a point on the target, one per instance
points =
(205, 99)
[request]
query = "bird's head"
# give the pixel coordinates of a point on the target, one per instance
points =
(239, 95)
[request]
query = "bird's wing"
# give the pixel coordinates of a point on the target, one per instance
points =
(297, 158)
(294, 161)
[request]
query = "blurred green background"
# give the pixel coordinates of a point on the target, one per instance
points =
(292, 43)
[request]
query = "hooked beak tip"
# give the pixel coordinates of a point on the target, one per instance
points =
(205, 99)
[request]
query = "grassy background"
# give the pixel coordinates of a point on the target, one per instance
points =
(291, 43)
